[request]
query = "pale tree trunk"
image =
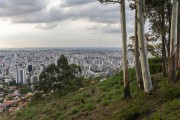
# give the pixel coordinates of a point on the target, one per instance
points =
(178, 37)
(124, 51)
(163, 36)
(173, 42)
(137, 62)
(142, 48)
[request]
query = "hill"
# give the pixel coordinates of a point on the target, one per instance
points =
(104, 101)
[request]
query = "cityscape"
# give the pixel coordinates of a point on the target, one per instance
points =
(24, 66)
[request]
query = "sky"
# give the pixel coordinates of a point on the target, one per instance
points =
(61, 23)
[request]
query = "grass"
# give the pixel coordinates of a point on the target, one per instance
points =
(104, 101)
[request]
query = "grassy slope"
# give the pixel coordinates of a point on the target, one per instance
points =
(106, 103)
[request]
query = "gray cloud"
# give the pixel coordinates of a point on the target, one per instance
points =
(92, 12)
(17, 7)
(37, 11)
(112, 29)
(45, 26)
(68, 3)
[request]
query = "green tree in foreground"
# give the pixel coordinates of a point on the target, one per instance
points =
(63, 78)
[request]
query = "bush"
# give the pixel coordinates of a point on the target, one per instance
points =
(131, 74)
(132, 112)
(170, 91)
(89, 106)
(155, 60)
(82, 100)
(155, 65)
(105, 102)
(155, 68)
(37, 97)
(86, 95)
(74, 110)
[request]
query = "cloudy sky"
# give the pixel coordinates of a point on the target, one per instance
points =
(61, 23)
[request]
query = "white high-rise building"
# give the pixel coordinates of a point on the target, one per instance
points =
(22, 76)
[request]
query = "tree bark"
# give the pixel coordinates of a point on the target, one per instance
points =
(142, 48)
(173, 42)
(169, 32)
(163, 36)
(124, 51)
(137, 62)
(178, 37)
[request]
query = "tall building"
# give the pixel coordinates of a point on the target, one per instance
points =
(17, 75)
(22, 76)
(30, 68)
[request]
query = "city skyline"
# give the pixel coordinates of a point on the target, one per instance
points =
(61, 23)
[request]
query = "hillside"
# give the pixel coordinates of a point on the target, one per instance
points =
(104, 101)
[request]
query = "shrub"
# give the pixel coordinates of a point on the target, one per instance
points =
(82, 100)
(155, 60)
(132, 112)
(93, 90)
(86, 95)
(74, 110)
(170, 91)
(89, 106)
(105, 102)
(155, 68)
(37, 97)
(98, 100)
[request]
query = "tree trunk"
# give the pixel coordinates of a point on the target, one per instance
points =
(173, 42)
(137, 62)
(163, 35)
(124, 51)
(178, 37)
(142, 48)
(169, 32)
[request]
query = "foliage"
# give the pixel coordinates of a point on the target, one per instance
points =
(25, 90)
(63, 78)
(37, 97)
(155, 60)
(106, 103)
(152, 47)
(169, 91)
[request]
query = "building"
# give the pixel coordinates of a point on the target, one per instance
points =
(22, 76)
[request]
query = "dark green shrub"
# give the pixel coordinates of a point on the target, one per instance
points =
(170, 91)
(131, 74)
(90, 106)
(37, 97)
(105, 102)
(98, 100)
(155, 68)
(82, 100)
(86, 95)
(155, 60)
(93, 90)
(74, 110)
(132, 112)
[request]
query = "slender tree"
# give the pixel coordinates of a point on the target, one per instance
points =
(173, 42)
(124, 45)
(178, 40)
(143, 51)
(124, 51)
(137, 62)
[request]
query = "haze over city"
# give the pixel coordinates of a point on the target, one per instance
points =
(61, 23)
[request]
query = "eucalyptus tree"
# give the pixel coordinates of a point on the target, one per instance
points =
(173, 41)
(124, 45)
(178, 37)
(137, 61)
(142, 48)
